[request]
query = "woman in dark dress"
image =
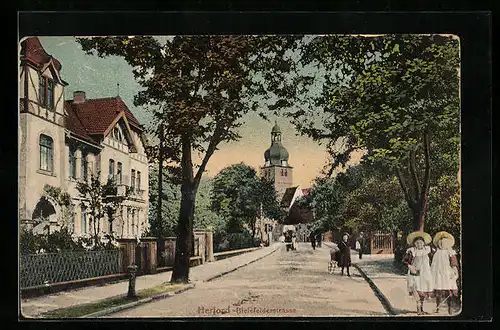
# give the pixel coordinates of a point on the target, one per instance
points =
(345, 255)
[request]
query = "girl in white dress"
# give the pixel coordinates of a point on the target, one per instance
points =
(419, 278)
(444, 269)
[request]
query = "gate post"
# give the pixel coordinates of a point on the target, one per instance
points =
(132, 269)
(209, 246)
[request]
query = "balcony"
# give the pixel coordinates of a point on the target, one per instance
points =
(136, 193)
(123, 190)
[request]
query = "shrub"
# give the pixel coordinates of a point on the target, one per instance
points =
(233, 241)
(63, 240)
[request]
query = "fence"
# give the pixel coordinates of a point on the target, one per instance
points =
(49, 268)
(381, 243)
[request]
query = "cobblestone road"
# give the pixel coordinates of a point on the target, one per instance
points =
(290, 284)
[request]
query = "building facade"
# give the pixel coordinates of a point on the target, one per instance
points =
(66, 141)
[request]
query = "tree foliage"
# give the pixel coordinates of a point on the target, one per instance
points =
(239, 196)
(393, 96)
(101, 200)
(199, 88)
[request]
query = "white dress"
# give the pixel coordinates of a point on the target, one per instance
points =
(442, 273)
(422, 283)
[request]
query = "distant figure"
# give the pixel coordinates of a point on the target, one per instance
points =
(360, 244)
(345, 255)
(318, 239)
(313, 240)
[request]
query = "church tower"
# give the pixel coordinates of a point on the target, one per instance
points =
(276, 167)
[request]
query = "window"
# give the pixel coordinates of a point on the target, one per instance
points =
(72, 163)
(111, 169)
(42, 89)
(98, 165)
(119, 173)
(46, 91)
(46, 153)
(282, 172)
(84, 166)
(286, 173)
(84, 220)
(138, 180)
(132, 180)
(50, 94)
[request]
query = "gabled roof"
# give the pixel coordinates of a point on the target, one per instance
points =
(287, 199)
(73, 124)
(97, 115)
(32, 50)
(92, 119)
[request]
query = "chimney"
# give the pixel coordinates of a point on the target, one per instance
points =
(78, 97)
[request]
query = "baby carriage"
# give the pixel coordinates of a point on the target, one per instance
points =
(334, 258)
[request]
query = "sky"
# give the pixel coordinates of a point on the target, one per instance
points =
(98, 77)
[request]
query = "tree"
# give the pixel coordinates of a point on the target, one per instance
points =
(395, 97)
(239, 195)
(200, 88)
(100, 199)
(204, 216)
(163, 225)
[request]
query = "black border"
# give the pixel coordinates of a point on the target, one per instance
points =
(474, 30)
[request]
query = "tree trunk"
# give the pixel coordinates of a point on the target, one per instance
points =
(183, 245)
(159, 215)
(416, 193)
(424, 192)
(180, 274)
(159, 218)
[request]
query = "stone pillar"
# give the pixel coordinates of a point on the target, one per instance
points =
(132, 269)
(201, 244)
(209, 245)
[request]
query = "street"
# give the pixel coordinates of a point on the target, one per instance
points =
(285, 284)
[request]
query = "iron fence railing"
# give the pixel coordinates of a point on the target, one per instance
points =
(48, 268)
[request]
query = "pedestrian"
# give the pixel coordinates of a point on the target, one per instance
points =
(419, 278)
(345, 255)
(444, 269)
(318, 239)
(294, 241)
(313, 240)
(360, 243)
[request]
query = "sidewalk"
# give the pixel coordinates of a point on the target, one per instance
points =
(206, 272)
(390, 285)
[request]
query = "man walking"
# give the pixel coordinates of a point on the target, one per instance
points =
(313, 240)
(360, 244)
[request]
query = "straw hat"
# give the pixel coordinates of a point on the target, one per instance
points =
(443, 234)
(411, 237)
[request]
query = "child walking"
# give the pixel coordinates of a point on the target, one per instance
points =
(444, 269)
(419, 278)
